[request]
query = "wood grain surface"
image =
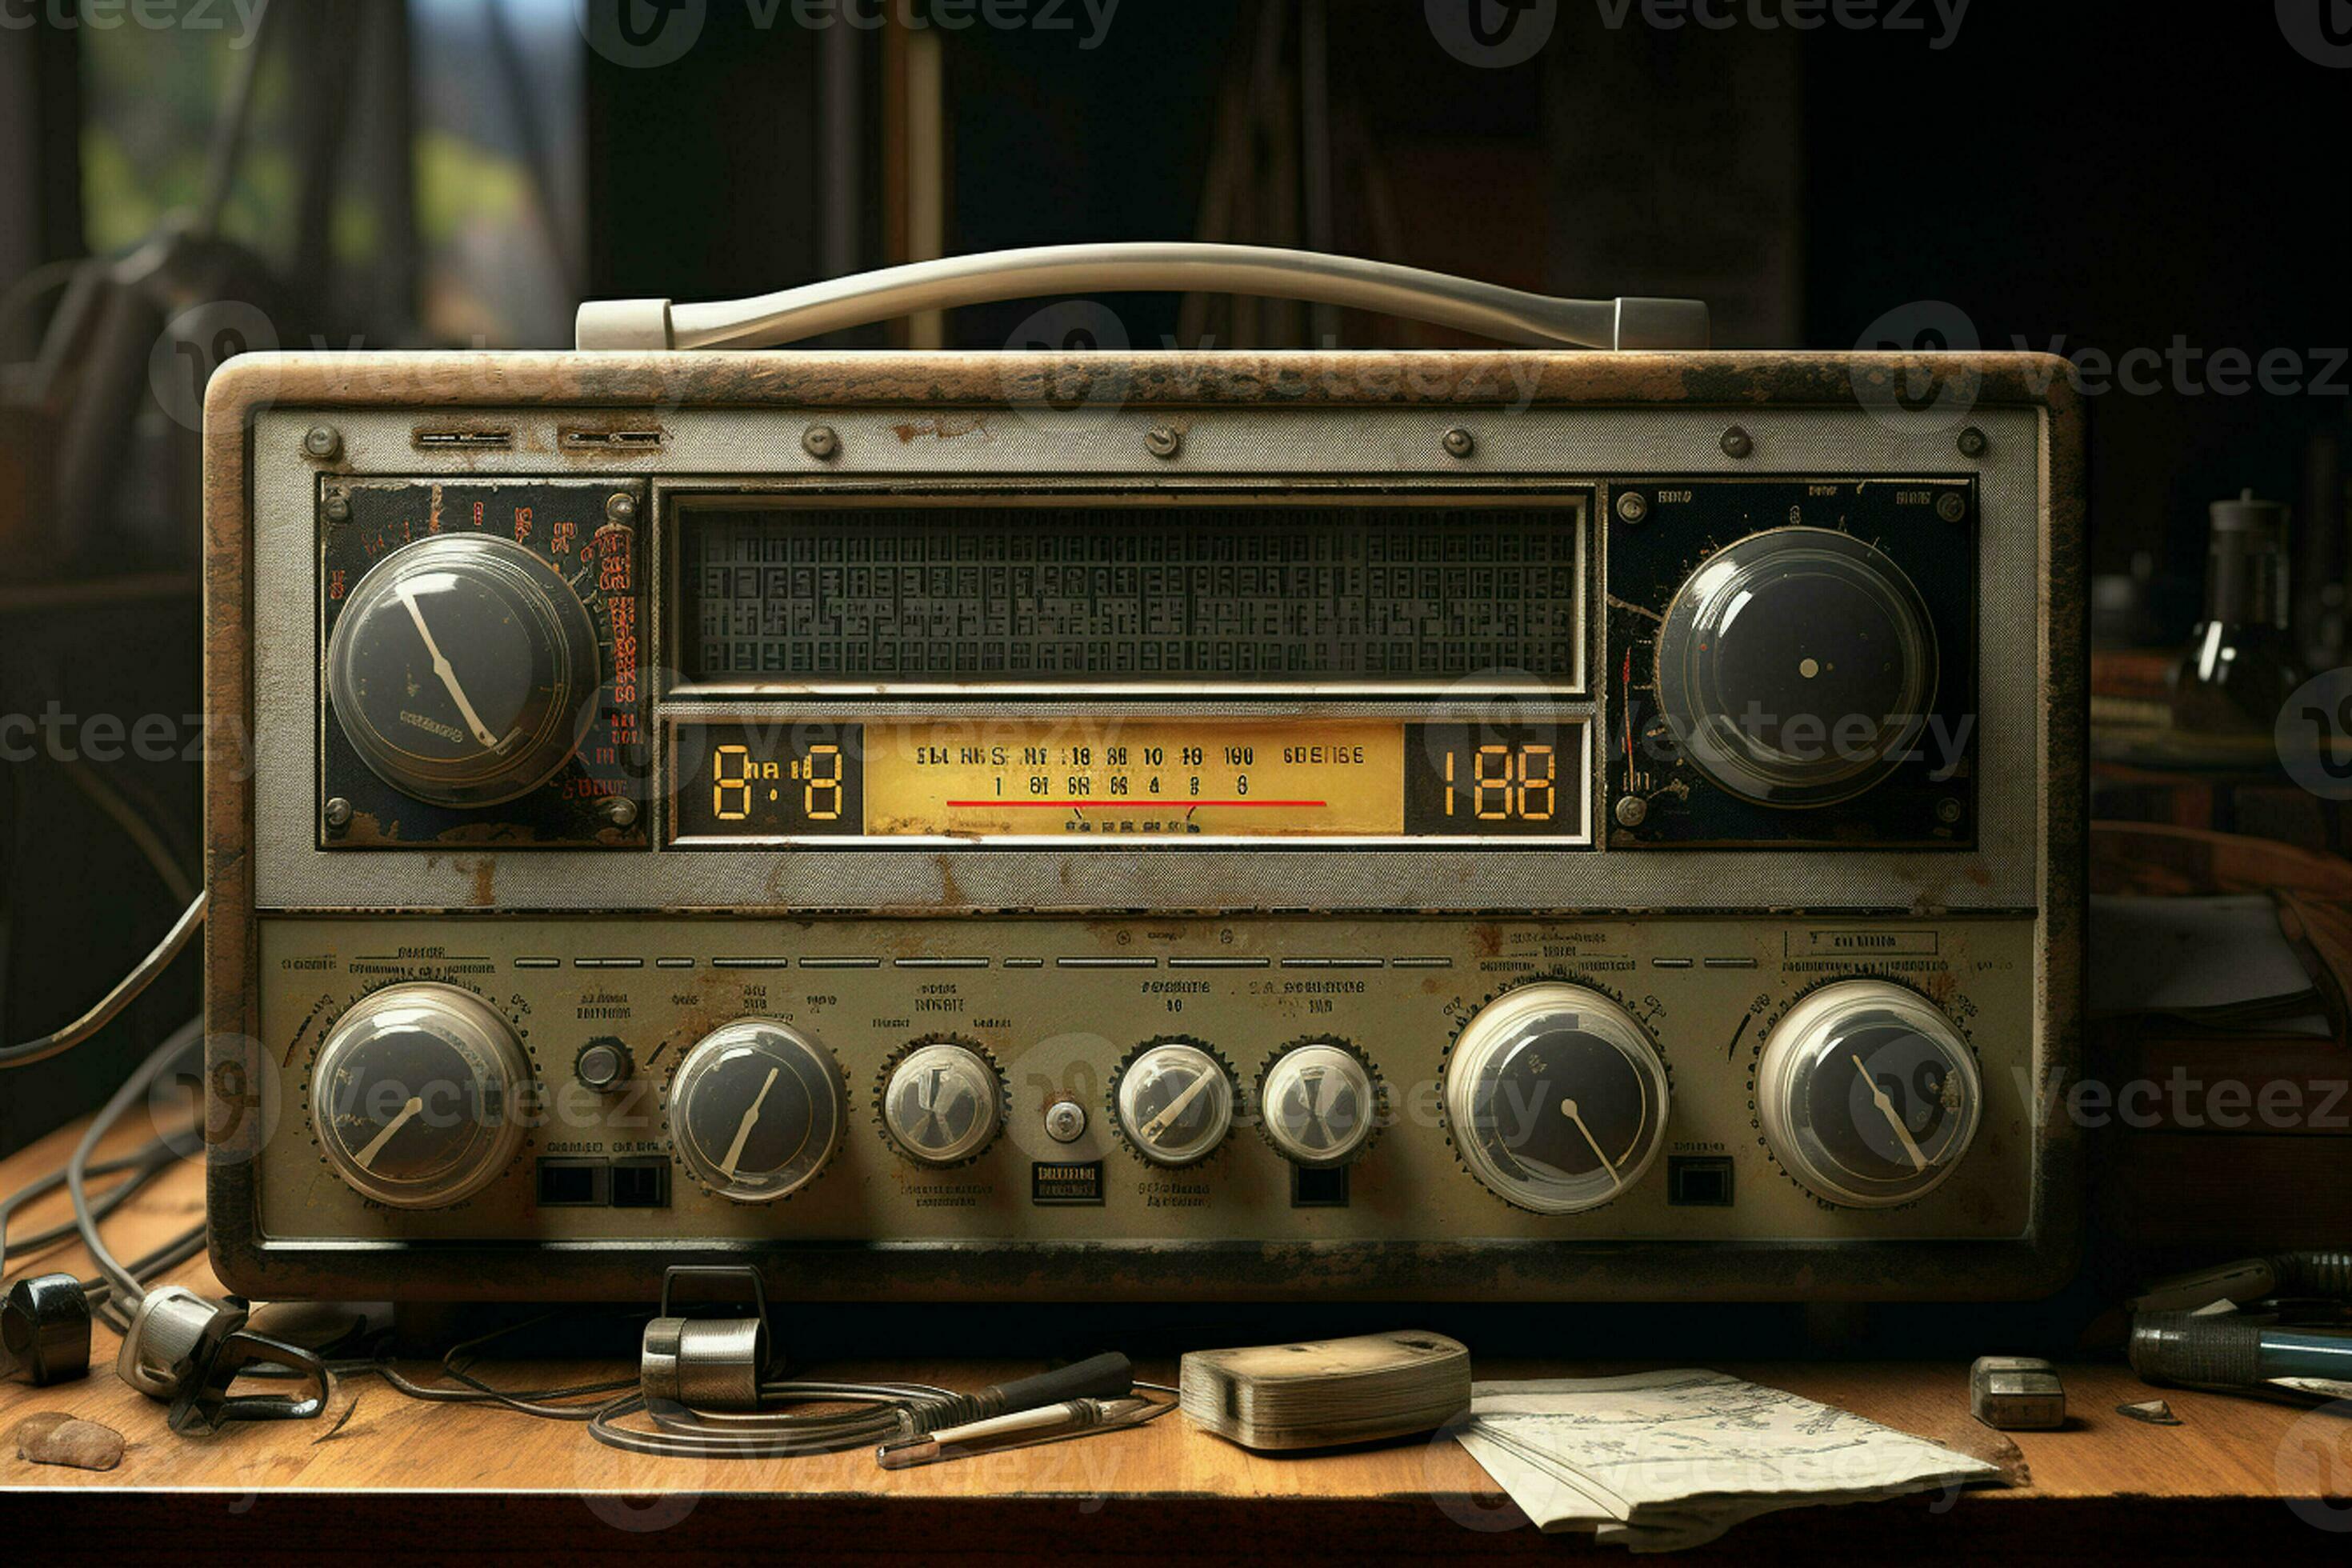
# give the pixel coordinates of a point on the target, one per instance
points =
(512, 1482)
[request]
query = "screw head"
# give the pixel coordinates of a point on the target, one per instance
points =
(1631, 811)
(1163, 440)
(1633, 506)
(1460, 442)
(820, 441)
(618, 811)
(339, 507)
(1947, 811)
(1951, 506)
(323, 442)
(621, 506)
(1973, 442)
(1736, 443)
(1066, 1121)
(337, 814)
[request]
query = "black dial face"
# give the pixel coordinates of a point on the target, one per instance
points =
(1560, 1103)
(1557, 1099)
(1175, 1103)
(1795, 665)
(756, 1111)
(413, 1095)
(1868, 1096)
(464, 670)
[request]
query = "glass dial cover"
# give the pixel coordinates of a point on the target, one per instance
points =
(1318, 1100)
(1555, 1097)
(1867, 1094)
(755, 1109)
(464, 670)
(413, 1095)
(1796, 666)
(942, 1103)
(1174, 1103)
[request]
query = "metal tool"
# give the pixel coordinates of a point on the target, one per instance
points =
(2231, 1351)
(2016, 1394)
(1049, 1423)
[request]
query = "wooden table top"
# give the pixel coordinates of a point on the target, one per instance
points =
(2234, 1467)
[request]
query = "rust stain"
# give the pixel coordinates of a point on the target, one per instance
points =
(945, 427)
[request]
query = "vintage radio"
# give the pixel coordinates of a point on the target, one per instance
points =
(1514, 824)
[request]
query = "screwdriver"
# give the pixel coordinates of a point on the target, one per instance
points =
(1067, 1419)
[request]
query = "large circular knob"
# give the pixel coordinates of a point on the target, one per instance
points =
(1556, 1096)
(1174, 1102)
(1866, 1093)
(755, 1109)
(414, 1092)
(1795, 666)
(464, 670)
(1317, 1103)
(942, 1103)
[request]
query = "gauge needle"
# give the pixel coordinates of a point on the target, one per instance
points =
(1158, 1124)
(1568, 1108)
(365, 1158)
(447, 672)
(743, 1127)
(1886, 1109)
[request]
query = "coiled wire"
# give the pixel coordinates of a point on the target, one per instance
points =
(893, 1411)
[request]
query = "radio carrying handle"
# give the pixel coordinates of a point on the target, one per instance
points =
(1508, 314)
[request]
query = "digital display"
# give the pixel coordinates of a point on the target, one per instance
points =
(1304, 593)
(1098, 779)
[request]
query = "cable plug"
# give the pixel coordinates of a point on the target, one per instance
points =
(45, 1330)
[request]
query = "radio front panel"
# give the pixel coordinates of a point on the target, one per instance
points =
(976, 854)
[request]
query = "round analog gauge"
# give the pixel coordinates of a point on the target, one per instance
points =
(464, 670)
(1317, 1101)
(1866, 1093)
(1557, 1099)
(755, 1109)
(1796, 667)
(1174, 1102)
(942, 1103)
(413, 1095)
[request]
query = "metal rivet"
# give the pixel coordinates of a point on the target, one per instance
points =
(1460, 442)
(1633, 506)
(337, 814)
(621, 506)
(1736, 444)
(1163, 440)
(1951, 506)
(322, 442)
(1973, 442)
(819, 441)
(1631, 811)
(1948, 810)
(1066, 1121)
(619, 810)
(339, 507)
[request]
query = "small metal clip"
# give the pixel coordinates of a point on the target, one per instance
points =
(706, 1364)
(188, 1349)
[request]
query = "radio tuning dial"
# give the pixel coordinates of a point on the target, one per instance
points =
(1867, 1095)
(1317, 1099)
(413, 1095)
(1796, 666)
(464, 670)
(942, 1103)
(1557, 1098)
(755, 1109)
(1174, 1101)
